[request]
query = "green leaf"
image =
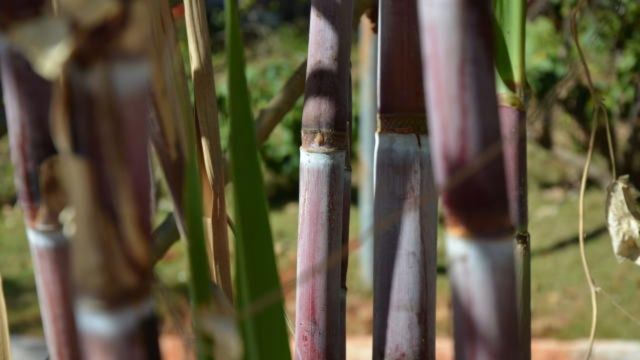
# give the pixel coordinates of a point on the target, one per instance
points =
(509, 35)
(258, 293)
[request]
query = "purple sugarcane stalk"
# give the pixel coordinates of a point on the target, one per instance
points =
(405, 200)
(27, 99)
(323, 175)
(469, 168)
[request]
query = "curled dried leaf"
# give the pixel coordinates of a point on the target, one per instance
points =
(623, 220)
(90, 13)
(47, 42)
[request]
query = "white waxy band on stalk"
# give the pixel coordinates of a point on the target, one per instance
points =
(46, 239)
(108, 323)
(478, 247)
(131, 76)
(318, 159)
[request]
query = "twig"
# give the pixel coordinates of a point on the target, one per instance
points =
(4, 327)
(599, 107)
(592, 286)
(280, 105)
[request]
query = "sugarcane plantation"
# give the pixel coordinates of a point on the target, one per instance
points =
(319, 179)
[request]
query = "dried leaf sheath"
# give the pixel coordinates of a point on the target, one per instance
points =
(464, 124)
(174, 138)
(207, 116)
(27, 99)
(4, 327)
(325, 122)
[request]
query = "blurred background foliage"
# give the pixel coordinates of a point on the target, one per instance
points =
(559, 118)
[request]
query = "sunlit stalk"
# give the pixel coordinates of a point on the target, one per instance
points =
(323, 159)
(468, 162)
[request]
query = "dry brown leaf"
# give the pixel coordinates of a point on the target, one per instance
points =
(47, 42)
(5, 352)
(623, 220)
(90, 13)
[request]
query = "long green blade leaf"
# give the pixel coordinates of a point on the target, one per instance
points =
(509, 45)
(259, 295)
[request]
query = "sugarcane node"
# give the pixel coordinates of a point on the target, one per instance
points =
(402, 123)
(523, 239)
(323, 140)
(480, 226)
(512, 100)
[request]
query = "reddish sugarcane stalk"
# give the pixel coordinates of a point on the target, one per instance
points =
(346, 217)
(27, 99)
(323, 160)
(405, 199)
(102, 114)
(464, 123)
(112, 258)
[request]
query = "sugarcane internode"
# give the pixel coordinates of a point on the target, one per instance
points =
(405, 201)
(324, 183)
(470, 173)
(27, 100)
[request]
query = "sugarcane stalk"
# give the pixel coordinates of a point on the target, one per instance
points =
(510, 63)
(110, 195)
(323, 162)
(27, 99)
(103, 107)
(266, 121)
(469, 167)
(368, 108)
(207, 117)
(405, 246)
